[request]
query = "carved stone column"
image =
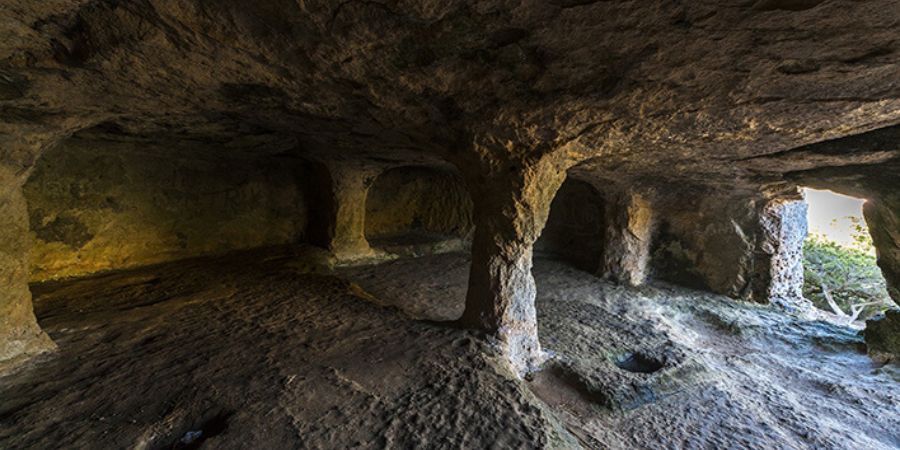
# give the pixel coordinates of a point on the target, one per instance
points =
(339, 224)
(511, 209)
(628, 238)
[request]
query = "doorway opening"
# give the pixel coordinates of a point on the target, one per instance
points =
(575, 227)
(415, 211)
(840, 272)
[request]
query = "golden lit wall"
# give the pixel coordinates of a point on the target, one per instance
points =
(97, 205)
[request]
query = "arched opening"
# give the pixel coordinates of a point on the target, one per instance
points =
(841, 274)
(575, 227)
(571, 246)
(418, 210)
(419, 219)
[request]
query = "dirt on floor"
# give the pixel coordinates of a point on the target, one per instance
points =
(256, 350)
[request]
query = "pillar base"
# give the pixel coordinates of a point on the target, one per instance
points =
(521, 349)
(19, 344)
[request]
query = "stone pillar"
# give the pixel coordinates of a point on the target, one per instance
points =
(629, 235)
(350, 188)
(20, 335)
(882, 215)
(339, 223)
(511, 209)
(780, 253)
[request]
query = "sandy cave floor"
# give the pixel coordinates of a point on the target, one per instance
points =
(251, 350)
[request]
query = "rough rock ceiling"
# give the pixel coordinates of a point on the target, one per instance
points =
(666, 90)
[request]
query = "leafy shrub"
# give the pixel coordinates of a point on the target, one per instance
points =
(848, 274)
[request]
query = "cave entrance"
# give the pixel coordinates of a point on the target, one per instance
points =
(575, 228)
(839, 259)
(417, 210)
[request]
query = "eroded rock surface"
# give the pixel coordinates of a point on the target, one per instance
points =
(97, 205)
(883, 219)
(431, 200)
(153, 355)
(712, 104)
(783, 230)
(651, 83)
(246, 349)
(663, 366)
(510, 212)
(20, 336)
(883, 336)
(629, 233)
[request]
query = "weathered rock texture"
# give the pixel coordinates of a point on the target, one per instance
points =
(883, 336)
(780, 248)
(511, 209)
(410, 199)
(708, 242)
(252, 353)
(339, 223)
(864, 166)
(20, 336)
(743, 247)
(629, 233)
(883, 219)
(705, 372)
(677, 97)
(98, 204)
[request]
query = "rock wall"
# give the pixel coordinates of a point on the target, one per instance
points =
(780, 247)
(97, 205)
(20, 335)
(575, 228)
(696, 99)
(707, 244)
(882, 215)
(883, 336)
(418, 198)
(748, 247)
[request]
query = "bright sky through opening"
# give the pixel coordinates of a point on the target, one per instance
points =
(829, 214)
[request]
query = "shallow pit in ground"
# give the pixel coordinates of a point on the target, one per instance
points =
(638, 362)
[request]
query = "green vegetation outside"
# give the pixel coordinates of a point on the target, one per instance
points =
(842, 279)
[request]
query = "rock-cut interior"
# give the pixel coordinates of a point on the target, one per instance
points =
(440, 224)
